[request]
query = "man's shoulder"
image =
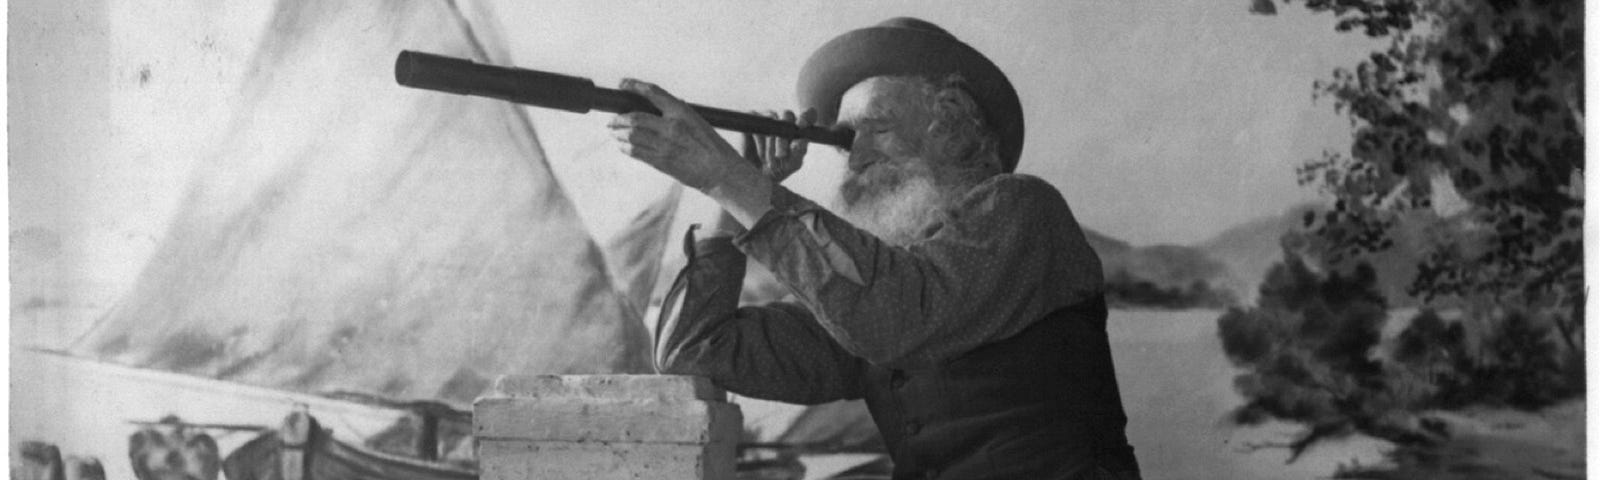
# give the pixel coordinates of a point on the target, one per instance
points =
(1019, 189)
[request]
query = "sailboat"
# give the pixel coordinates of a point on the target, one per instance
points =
(351, 264)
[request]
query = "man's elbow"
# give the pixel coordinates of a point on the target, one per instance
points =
(681, 363)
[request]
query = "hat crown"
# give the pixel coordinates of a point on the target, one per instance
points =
(912, 46)
(911, 23)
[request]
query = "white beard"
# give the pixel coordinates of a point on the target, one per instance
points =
(895, 206)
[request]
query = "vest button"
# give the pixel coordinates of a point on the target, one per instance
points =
(897, 379)
(912, 427)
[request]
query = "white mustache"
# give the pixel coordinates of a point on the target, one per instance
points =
(896, 211)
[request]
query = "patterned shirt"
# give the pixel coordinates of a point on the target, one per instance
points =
(1004, 255)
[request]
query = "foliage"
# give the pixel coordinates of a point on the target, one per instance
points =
(1312, 352)
(1471, 120)
(1513, 363)
(1468, 149)
(1307, 350)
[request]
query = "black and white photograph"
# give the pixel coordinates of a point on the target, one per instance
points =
(796, 240)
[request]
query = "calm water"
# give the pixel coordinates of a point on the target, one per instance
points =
(1177, 386)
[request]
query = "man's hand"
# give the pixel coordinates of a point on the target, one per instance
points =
(678, 142)
(776, 156)
(682, 145)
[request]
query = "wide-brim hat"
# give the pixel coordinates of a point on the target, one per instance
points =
(908, 46)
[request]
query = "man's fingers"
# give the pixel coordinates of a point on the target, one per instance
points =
(755, 146)
(775, 155)
(638, 151)
(639, 120)
(637, 135)
(752, 149)
(797, 148)
(780, 147)
(643, 144)
(668, 104)
(650, 152)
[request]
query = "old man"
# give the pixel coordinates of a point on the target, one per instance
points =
(959, 299)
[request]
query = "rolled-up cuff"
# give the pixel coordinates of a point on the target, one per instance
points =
(707, 247)
(713, 267)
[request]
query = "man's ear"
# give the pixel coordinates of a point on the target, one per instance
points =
(947, 112)
(957, 129)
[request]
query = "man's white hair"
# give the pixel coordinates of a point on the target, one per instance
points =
(897, 200)
(957, 121)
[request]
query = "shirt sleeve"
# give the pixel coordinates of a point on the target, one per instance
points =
(1004, 255)
(773, 352)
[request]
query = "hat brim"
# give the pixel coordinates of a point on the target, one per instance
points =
(877, 51)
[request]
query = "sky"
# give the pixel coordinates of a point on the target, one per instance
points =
(1162, 122)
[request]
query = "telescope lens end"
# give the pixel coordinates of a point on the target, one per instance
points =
(404, 65)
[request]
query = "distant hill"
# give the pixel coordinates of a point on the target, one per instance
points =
(1234, 261)
(1161, 276)
(1251, 248)
(1105, 245)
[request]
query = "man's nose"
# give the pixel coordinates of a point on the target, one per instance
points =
(862, 154)
(861, 159)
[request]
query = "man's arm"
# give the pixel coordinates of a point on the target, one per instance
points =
(682, 145)
(1011, 254)
(775, 352)
(1007, 254)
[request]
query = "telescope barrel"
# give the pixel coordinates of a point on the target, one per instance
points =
(575, 94)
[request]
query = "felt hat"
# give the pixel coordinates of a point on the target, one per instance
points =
(909, 46)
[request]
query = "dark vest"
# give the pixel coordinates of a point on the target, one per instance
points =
(1042, 404)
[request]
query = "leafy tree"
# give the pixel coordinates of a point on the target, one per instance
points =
(1468, 125)
(1311, 352)
(1519, 366)
(1513, 363)
(1435, 353)
(1307, 351)
(1468, 148)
